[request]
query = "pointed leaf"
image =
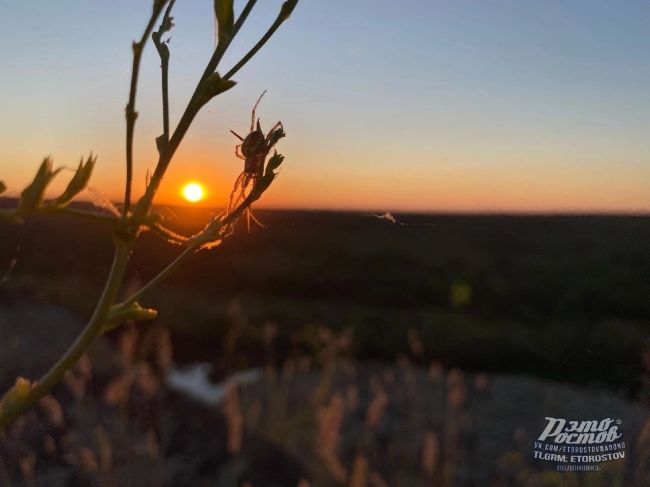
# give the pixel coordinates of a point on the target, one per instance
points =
(31, 197)
(77, 183)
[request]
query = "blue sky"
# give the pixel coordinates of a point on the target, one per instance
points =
(430, 105)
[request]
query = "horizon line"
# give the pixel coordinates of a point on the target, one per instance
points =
(404, 211)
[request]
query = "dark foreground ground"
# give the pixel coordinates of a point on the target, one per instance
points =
(560, 297)
(358, 329)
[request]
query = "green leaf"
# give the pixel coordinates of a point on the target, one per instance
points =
(224, 11)
(3, 187)
(77, 183)
(31, 197)
(212, 86)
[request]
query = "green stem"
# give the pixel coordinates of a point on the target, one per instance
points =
(14, 406)
(131, 114)
(188, 116)
(11, 411)
(275, 26)
(219, 52)
(165, 98)
(163, 52)
(193, 246)
(161, 276)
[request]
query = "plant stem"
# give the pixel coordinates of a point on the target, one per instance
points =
(16, 405)
(131, 114)
(218, 53)
(94, 327)
(188, 116)
(189, 250)
(278, 22)
(163, 52)
(165, 99)
(161, 276)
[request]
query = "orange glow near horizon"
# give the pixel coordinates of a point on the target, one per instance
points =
(502, 110)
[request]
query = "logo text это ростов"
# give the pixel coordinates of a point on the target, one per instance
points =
(561, 431)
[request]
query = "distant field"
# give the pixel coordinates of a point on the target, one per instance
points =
(565, 297)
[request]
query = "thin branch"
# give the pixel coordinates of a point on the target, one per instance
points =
(131, 114)
(218, 53)
(163, 51)
(161, 276)
(282, 16)
(24, 394)
(189, 114)
(192, 247)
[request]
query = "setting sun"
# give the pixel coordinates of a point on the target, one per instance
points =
(193, 192)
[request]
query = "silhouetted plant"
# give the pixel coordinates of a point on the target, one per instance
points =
(139, 217)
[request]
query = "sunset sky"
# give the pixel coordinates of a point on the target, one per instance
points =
(428, 105)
